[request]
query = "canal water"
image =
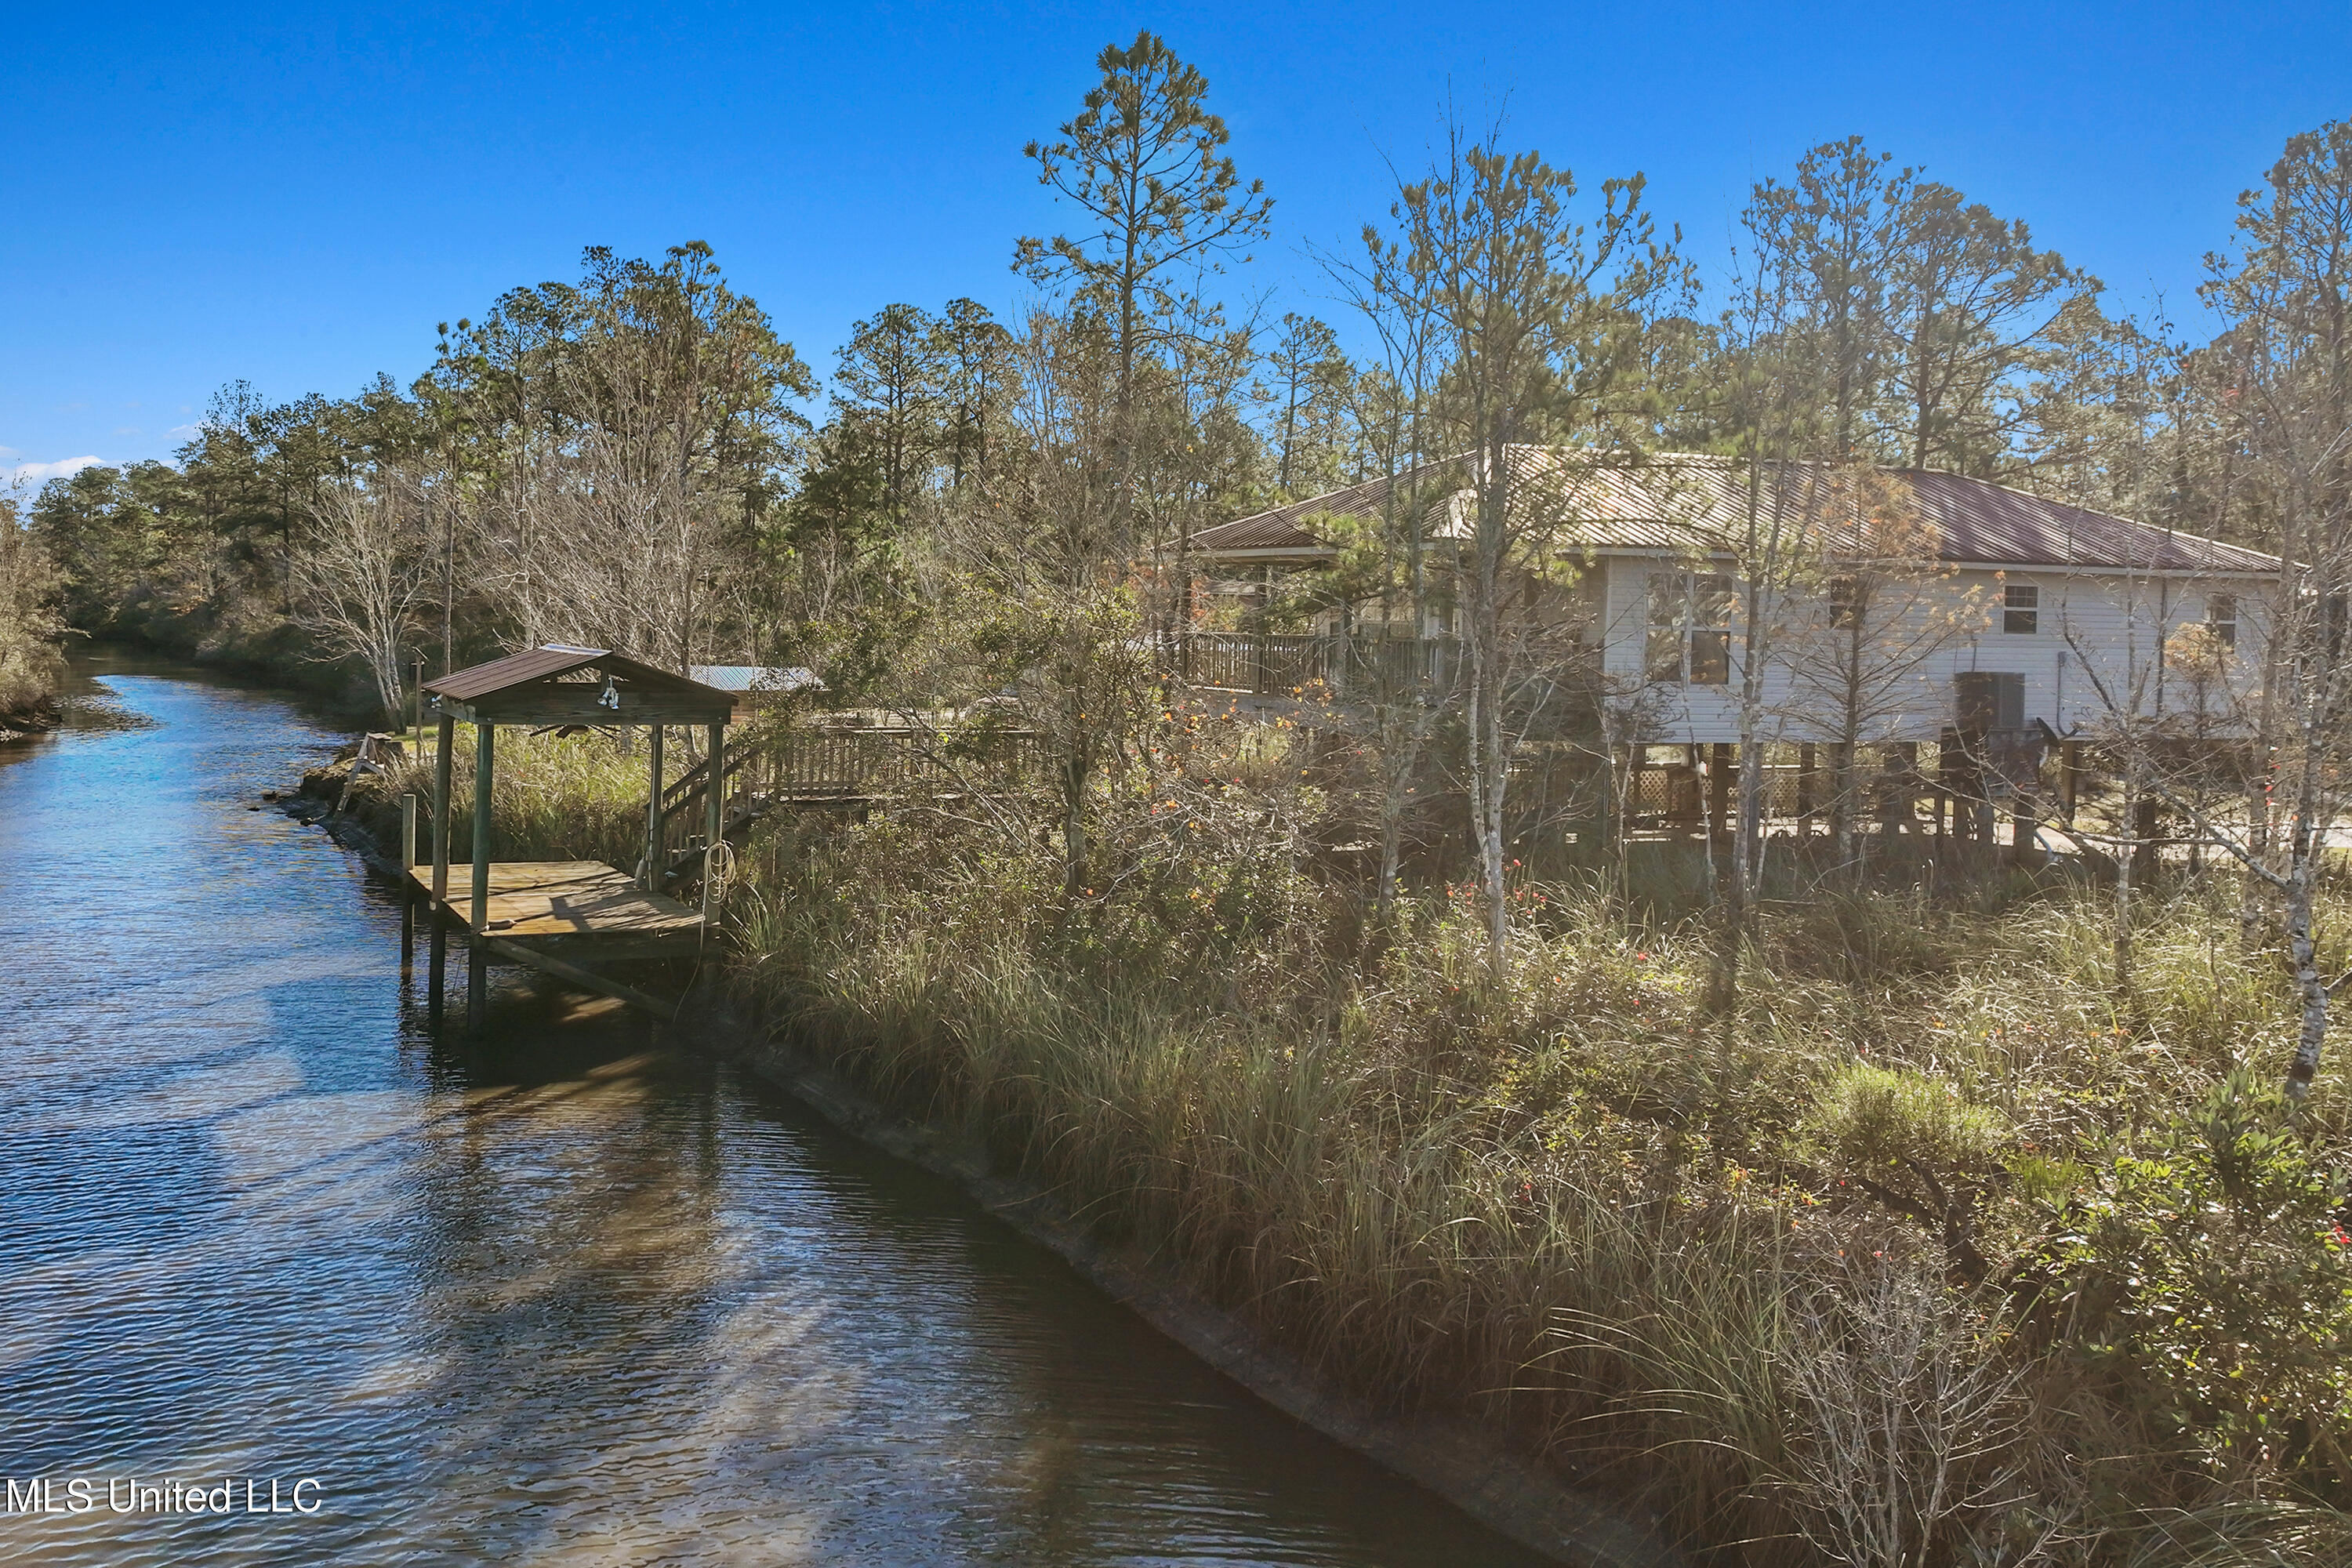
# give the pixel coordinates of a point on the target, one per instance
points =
(560, 1296)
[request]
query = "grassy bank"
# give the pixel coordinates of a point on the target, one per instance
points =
(1936, 1187)
(1941, 1251)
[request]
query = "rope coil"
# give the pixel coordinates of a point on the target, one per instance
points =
(718, 870)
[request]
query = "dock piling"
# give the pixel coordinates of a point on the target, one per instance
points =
(438, 907)
(563, 917)
(408, 884)
(477, 952)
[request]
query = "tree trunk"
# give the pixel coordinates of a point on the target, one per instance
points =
(2126, 860)
(2147, 830)
(1841, 803)
(1623, 784)
(1746, 846)
(1488, 775)
(2306, 841)
(1076, 769)
(1074, 826)
(1489, 763)
(2313, 1035)
(2251, 889)
(1402, 757)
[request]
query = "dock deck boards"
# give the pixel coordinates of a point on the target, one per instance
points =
(556, 903)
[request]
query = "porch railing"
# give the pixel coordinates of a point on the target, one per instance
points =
(1281, 664)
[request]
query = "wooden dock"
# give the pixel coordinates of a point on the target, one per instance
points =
(581, 910)
(560, 916)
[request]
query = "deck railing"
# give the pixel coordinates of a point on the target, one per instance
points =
(1284, 663)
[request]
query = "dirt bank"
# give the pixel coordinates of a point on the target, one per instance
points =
(37, 717)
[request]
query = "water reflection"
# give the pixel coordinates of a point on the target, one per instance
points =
(565, 1297)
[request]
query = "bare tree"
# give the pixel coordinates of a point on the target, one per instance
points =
(642, 419)
(1391, 564)
(366, 573)
(1785, 382)
(1049, 613)
(1835, 230)
(2288, 301)
(2128, 728)
(1909, 1420)
(1887, 607)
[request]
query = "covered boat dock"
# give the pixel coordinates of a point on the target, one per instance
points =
(561, 916)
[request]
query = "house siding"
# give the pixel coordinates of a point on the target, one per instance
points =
(2096, 646)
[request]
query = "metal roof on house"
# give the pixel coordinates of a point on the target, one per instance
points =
(1984, 521)
(1678, 503)
(1286, 528)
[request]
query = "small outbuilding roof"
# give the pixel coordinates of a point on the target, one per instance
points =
(757, 676)
(558, 682)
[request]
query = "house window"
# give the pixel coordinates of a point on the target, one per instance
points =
(2222, 619)
(1690, 628)
(1846, 603)
(2020, 609)
(1711, 638)
(1662, 655)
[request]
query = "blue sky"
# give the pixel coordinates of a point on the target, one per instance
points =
(296, 196)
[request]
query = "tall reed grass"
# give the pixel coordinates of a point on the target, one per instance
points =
(553, 798)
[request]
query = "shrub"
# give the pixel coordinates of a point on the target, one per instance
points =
(2211, 1273)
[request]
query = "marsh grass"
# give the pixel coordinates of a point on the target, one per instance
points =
(571, 797)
